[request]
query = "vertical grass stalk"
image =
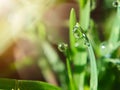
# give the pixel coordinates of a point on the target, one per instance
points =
(84, 6)
(93, 68)
(115, 33)
(72, 86)
(64, 48)
(72, 22)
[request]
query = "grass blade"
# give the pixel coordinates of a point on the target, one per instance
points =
(13, 84)
(72, 87)
(72, 22)
(64, 48)
(93, 69)
(84, 13)
(55, 62)
(115, 33)
(35, 85)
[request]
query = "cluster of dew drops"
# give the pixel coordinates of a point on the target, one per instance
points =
(78, 34)
(62, 47)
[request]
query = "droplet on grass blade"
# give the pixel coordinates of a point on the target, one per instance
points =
(103, 46)
(76, 31)
(87, 43)
(62, 47)
(79, 33)
(104, 49)
(116, 3)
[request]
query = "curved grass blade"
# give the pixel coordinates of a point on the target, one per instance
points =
(93, 69)
(13, 84)
(35, 85)
(93, 66)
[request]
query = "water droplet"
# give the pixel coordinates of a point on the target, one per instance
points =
(87, 43)
(104, 49)
(76, 31)
(62, 47)
(103, 45)
(116, 3)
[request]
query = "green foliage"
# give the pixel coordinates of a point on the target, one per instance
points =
(91, 62)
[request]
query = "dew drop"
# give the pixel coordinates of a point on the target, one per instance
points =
(104, 49)
(116, 3)
(103, 46)
(62, 47)
(76, 31)
(87, 43)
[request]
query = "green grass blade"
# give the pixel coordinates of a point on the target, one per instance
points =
(84, 13)
(35, 85)
(93, 69)
(7, 84)
(115, 33)
(72, 87)
(12, 84)
(55, 62)
(72, 22)
(80, 63)
(71, 81)
(64, 48)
